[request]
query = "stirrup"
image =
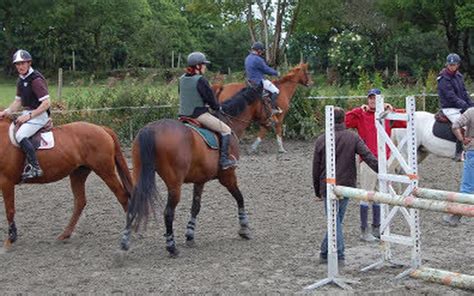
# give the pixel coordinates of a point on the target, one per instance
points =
(228, 163)
(277, 111)
(30, 172)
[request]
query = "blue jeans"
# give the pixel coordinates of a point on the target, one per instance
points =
(341, 211)
(467, 182)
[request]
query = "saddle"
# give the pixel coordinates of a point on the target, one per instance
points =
(209, 137)
(440, 117)
(442, 127)
(43, 139)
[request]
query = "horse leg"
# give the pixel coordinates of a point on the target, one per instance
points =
(230, 182)
(114, 184)
(174, 194)
(8, 191)
(279, 137)
(261, 134)
(195, 208)
(78, 179)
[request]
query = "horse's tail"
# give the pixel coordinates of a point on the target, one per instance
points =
(144, 194)
(121, 163)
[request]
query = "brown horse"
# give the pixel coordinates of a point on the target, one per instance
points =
(179, 155)
(287, 86)
(80, 148)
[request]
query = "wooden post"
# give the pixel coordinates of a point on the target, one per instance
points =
(60, 83)
(179, 60)
(228, 71)
(396, 64)
(73, 61)
(172, 59)
(423, 99)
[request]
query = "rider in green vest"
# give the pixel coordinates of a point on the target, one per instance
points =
(196, 97)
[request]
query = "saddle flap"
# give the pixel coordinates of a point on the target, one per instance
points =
(440, 117)
(208, 136)
(443, 131)
(42, 139)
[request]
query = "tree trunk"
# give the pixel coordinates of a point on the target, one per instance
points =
(263, 12)
(467, 53)
(250, 21)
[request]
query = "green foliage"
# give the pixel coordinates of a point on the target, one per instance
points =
(431, 82)
(350, 53)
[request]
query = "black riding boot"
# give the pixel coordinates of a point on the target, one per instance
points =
(32, 168)
(275, 108)
(224, 160)
(459, 150)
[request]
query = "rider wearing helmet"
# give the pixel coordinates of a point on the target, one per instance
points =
(196, 96)
(31, 94)
(256, 67)
(453, 96)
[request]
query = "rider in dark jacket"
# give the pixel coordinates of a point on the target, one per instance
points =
(453, 96)
(256, 67)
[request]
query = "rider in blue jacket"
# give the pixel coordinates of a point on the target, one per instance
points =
(256, 67)
(453, 96)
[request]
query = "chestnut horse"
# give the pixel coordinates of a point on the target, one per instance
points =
(287, 86)
(80, 148)
(179, 155)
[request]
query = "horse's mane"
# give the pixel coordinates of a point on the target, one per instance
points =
(238, 102)
(291, 74)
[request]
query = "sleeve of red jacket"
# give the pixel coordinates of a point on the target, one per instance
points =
(353, 117)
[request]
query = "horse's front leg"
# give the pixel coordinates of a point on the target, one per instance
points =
(279, 137)
(174, 195)
(8, 191)
(195, 208)
(261, 134)
(229, 180)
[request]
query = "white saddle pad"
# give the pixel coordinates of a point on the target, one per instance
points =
(47, 138)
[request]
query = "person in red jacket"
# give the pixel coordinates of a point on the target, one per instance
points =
(363, 119)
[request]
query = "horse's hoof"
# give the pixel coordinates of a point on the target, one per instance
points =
(119, 258)
(282, 151)
(173, 252)
(245, 233)
(64, 237)
(7, 246)
(191, 243)
(124, 245)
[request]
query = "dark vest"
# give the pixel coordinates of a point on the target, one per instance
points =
(189, 97)
(29, 100)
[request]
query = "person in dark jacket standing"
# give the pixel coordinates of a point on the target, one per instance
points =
(196, 97)
(348, 144)
(453, 96)
(32, 95)
(256, 67)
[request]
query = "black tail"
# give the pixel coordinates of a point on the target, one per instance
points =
(144, 194)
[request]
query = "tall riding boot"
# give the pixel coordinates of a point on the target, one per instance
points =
(224, 160)
(459, 151)
(32, 168)
(275, 108)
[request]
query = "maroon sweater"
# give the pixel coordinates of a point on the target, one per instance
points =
(348, 144)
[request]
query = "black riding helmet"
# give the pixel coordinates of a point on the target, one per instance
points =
(258, 46)
(197, 58)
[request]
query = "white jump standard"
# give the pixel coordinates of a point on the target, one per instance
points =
(412, 197)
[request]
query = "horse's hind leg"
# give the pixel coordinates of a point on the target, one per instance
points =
(111, 179)
(78, 179)
(8, 191)
(229, 180)
(174, 195)
(195, 208)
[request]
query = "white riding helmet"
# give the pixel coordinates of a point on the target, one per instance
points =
(21, 55)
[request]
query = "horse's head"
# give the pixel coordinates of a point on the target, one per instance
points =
(298, 74)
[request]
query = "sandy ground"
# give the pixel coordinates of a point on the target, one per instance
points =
(288, 225)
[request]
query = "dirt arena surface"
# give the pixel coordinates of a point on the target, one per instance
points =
(287, 222)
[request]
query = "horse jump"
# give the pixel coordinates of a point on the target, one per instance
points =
(413, 197)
